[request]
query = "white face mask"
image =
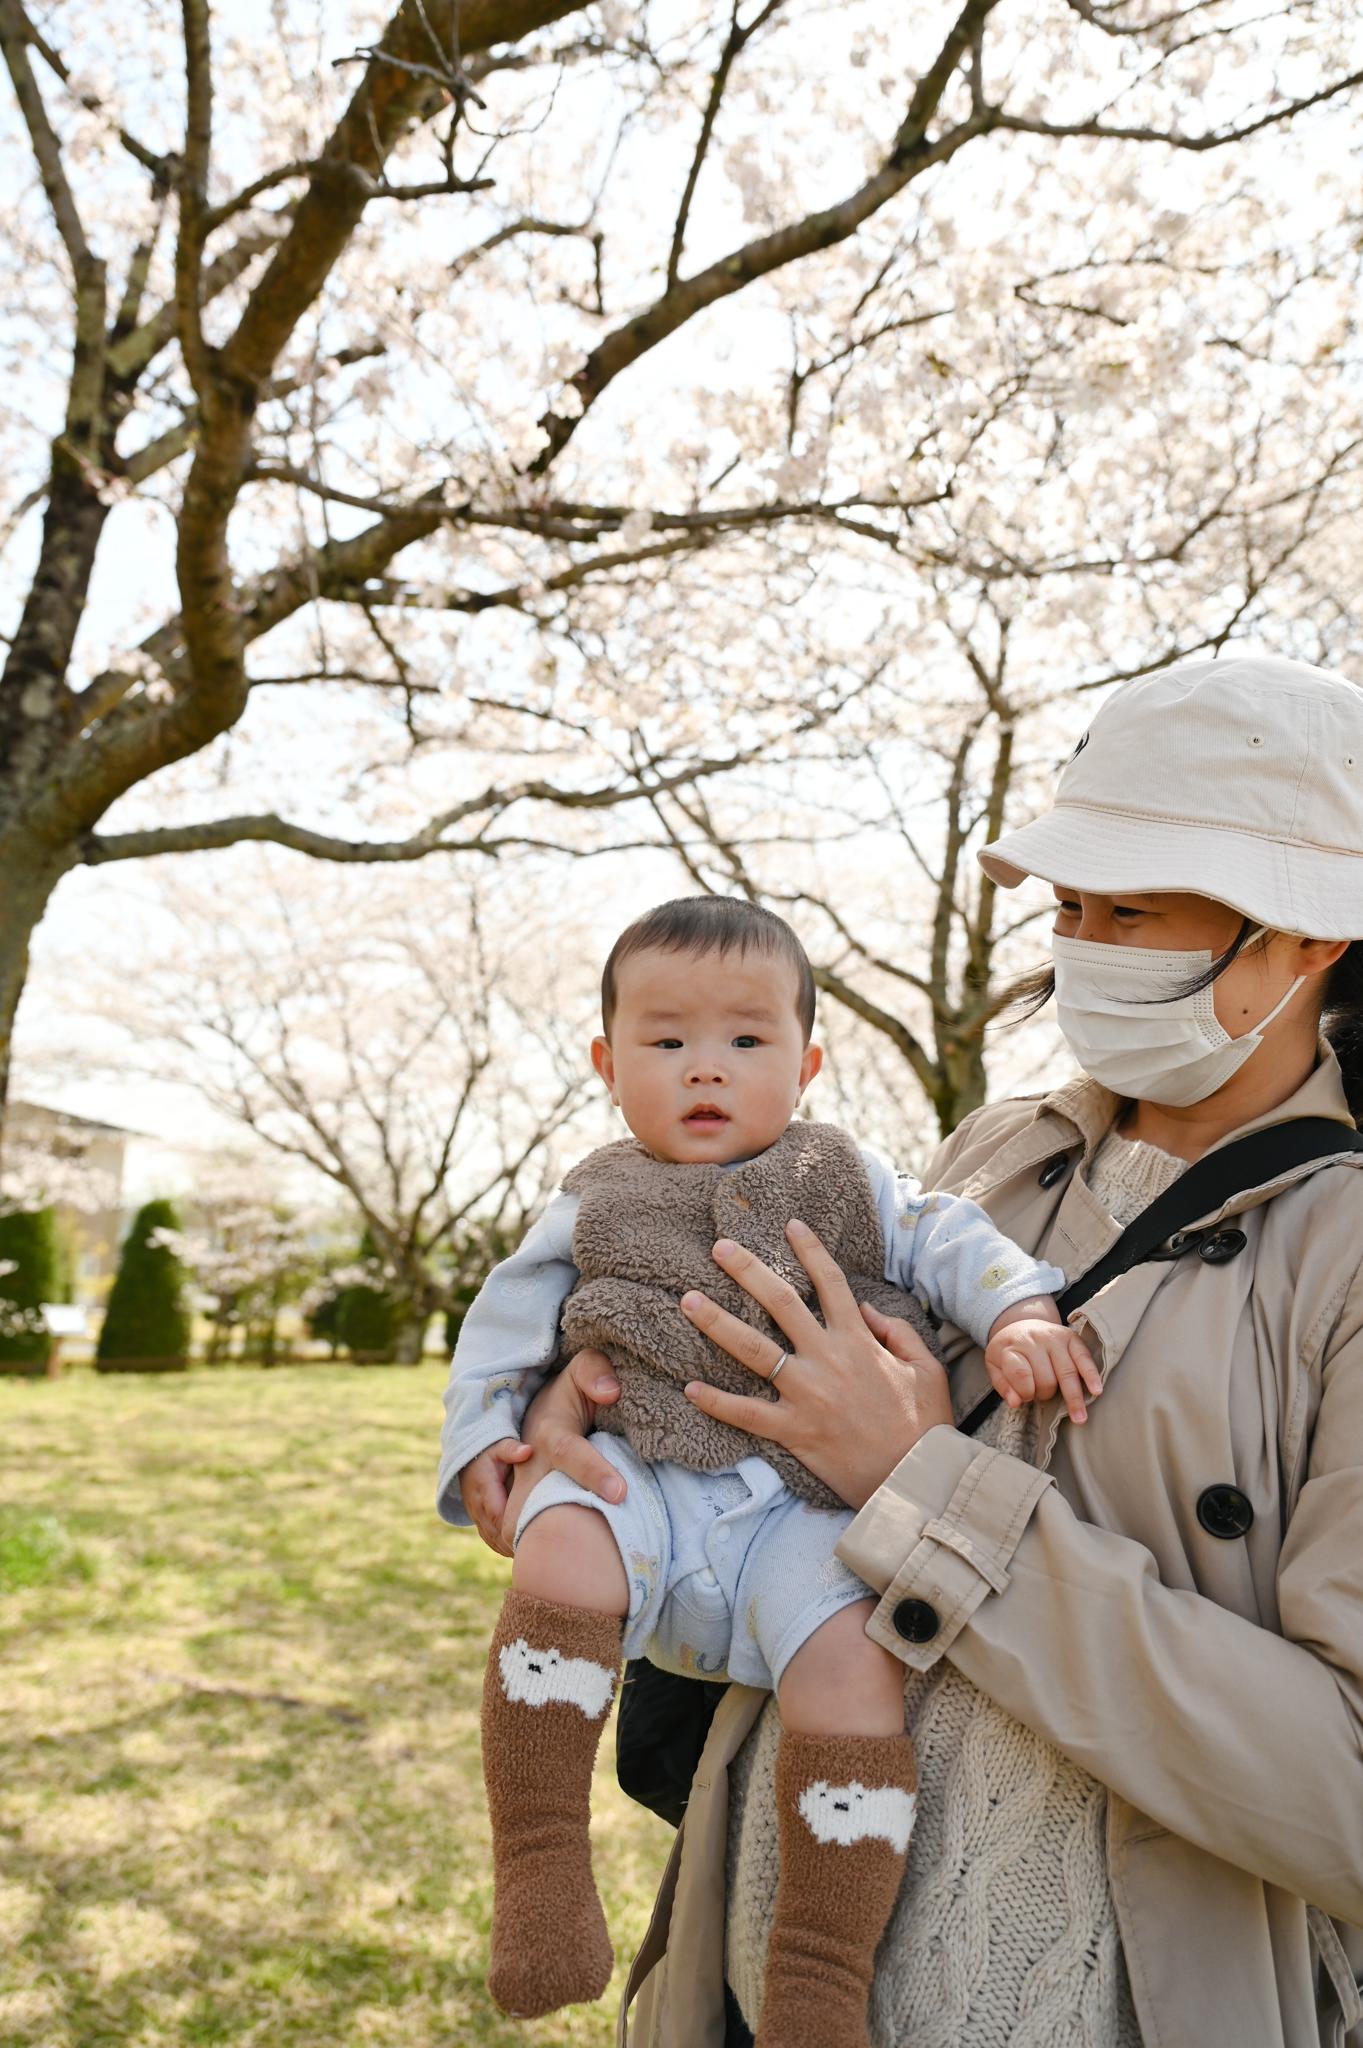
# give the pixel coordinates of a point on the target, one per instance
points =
(1127, 1028)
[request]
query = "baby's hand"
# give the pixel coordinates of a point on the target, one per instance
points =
(482, 1488)
(1031, 1355)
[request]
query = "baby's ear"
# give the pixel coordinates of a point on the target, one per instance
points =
(603, 1059)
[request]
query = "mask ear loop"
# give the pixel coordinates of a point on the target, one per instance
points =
(1261, 932)
(1278, 1008)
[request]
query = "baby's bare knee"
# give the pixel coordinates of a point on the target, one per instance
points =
(841, 1682)
(568, 1554)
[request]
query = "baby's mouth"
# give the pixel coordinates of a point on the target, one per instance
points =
(705, 1116)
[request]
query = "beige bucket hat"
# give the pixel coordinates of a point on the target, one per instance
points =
(1239, 778)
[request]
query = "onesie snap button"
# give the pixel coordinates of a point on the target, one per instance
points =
(1222, 1245)
(1054, 1170)
(1225, 1512)
(916, 1621)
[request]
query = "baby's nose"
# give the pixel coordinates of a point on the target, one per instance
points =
(704, 1069)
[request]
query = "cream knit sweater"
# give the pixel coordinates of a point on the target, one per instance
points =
(1005, 1934)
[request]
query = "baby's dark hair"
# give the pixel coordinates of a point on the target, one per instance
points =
(711, 924)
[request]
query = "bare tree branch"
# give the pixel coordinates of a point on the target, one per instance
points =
(909, 156)
(193, 182)
(735, 43)
(16, 32)
(161, 167)
(100, 848)
(1212, 138)
(391, 94)
(527, 224)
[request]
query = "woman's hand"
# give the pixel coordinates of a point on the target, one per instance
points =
(556, 1426)
(848, 1408)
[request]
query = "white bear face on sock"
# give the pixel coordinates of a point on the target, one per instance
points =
(859, 1813)
(541, 1678)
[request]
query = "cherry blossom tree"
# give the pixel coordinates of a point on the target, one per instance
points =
(249, 1250)
(1176, 479)
(399, 1052)
(374, 367)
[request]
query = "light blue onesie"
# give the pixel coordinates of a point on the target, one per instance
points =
(729, 1573)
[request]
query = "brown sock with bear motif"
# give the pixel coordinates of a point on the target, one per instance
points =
(844, 1811)
(550, 1677)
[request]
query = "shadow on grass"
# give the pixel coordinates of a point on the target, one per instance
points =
(239, 1786)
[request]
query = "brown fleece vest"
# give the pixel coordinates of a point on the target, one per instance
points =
(643, 1237)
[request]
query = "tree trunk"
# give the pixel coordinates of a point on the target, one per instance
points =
(410, 1337)
(962, 1080)
(26, 886)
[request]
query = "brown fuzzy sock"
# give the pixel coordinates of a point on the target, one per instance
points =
(844, 1808)
(550, 1676)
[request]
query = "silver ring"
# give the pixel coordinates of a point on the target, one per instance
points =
(777, 1367)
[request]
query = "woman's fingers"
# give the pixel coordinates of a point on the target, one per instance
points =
(743, 1411)
(568, 1452)
(739, 1339)
(592, 1376)
(899, 1338)
(834, 1295)
(777, 1296)
(556, 1425)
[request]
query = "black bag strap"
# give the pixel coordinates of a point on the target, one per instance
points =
(1205, 1187)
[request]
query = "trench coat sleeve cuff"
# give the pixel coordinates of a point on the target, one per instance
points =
(941, 1532)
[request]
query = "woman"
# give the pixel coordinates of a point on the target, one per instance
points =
(1134, 1652)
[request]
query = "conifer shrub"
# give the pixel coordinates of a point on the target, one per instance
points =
(366, 1322)
(324, 1322)
(28, 1241)
(147, 1323)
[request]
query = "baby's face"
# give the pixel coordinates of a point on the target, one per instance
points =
(706, 1058)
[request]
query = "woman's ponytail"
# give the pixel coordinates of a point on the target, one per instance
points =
(1342, 1022)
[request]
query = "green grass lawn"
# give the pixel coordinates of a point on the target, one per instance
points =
(240, 1665)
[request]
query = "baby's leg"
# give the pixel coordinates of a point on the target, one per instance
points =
(550, 1675)
(841, 1683)
(845, 1785)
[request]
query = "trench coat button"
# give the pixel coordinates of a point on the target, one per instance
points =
(916, 1621)
(1054, 1170)
(1221, 1245)
(1226, 1512)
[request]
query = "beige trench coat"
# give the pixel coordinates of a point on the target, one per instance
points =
(1214, 1684)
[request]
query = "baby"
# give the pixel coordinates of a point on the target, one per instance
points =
(719, 1560)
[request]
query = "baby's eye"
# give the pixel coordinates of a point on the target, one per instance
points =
(747, 1039)
(667, 1044)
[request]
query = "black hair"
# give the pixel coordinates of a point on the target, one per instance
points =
(1342, 1022)
(1341, 1012)
(711, 924)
